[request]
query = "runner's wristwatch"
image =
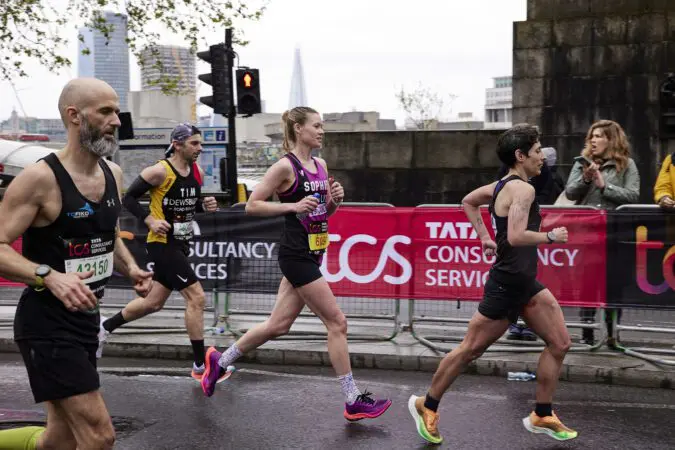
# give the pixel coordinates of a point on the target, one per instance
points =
(40, 273)
(551, 237)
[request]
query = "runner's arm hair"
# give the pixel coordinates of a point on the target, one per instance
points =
(471, 204)
(150, 177)
(517, 234)
(123, 261)
(22, 202)
(257, 204)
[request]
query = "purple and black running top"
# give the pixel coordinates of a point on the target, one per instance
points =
(305, 235)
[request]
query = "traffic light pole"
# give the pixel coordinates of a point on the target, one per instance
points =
(231, 154)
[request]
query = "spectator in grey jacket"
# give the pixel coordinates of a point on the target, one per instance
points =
(606, 178)
(611, 179)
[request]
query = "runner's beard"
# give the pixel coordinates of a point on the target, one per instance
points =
(92, 140)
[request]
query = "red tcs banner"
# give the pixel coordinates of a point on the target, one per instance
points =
(434, 253)
(16, 245)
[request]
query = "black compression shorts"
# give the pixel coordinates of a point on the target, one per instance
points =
(300, 271)
(59, 369)
(504, 299)
(171, 268)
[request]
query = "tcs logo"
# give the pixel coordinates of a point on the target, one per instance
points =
(642, 245)
(78, 250)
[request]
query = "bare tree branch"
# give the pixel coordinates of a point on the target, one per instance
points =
(423, 106)
(39, 31)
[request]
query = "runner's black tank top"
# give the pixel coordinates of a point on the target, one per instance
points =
(305, 235)
(515, 261)
(82, 238)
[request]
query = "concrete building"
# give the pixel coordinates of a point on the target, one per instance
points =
(498, 104)
(463, 121)
(176, 62)
(578, 62)
(153, 109)
(406, 168)
(339, 122)
(107, 60)
(32, 125)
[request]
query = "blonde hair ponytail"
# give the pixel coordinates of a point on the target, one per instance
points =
(289, 118)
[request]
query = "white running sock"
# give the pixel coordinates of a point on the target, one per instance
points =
(229, 356)
(349, 389)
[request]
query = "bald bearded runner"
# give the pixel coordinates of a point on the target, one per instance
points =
(66, 207)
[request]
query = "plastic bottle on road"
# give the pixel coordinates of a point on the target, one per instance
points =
(521, 376)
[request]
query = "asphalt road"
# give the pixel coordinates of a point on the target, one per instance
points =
(278, 407)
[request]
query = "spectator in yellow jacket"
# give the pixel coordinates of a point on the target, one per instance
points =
(664, 189)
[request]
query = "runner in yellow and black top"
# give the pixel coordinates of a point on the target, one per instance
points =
(175, 189)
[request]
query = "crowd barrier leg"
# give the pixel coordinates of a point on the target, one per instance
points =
(642, 352)
(314, 335)
(229, 311)
(134, 328)
(223, 318)
(506, 346)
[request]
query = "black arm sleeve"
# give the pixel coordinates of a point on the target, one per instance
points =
(200, 206)
(135, 191)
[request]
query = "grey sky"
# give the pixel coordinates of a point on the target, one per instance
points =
(356, 54)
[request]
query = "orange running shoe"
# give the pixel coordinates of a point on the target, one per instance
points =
(550, 425)
(426, 420)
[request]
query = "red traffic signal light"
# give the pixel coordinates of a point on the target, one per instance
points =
(248, 79)
(248, 92)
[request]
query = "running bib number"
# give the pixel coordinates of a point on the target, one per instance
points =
(102, 265)
(182, 229)
(318, 241)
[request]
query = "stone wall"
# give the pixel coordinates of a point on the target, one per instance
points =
(578, 61)
(407, 168)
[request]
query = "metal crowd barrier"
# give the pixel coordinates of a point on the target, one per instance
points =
(224, 306)
(643, 352)
(228, 305)
(513, 346)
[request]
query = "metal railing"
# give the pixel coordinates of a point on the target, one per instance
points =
(514, 346)
(227, 310)
(643, 352)
(225, 307)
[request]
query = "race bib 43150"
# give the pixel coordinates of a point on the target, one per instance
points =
(84, 255)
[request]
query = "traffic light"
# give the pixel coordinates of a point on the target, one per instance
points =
(219, 79)
(223, 175)
(248, 92)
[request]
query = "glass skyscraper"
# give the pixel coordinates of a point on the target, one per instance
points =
(109, 59)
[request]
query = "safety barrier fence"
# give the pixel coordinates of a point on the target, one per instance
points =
(430, 258)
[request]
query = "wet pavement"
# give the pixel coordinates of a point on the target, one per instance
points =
(272, 407)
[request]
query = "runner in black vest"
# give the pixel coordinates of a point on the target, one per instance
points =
(511, 288)
(308, 197)
(66, 206)
(175, 197)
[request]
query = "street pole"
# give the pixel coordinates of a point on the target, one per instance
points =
(231, 154)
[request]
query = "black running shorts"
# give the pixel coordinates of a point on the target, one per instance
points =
(171, 268)
(300, 271)
(504, 298)
(59, 369)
